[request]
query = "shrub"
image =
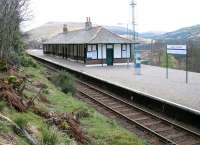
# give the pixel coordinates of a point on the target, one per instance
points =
(49, 136)
(27, 61)
(22, 59)
(65, 82)
(21, 121)
(171, 61)
(2, 105)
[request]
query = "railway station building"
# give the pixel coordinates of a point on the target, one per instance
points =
(91, 45)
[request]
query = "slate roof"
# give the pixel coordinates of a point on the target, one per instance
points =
(93, 36)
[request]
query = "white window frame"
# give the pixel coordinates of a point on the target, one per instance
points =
(124, 50)
(92, 51)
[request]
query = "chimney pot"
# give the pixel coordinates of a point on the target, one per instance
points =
(88, 24)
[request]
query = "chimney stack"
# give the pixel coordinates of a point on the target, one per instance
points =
(65, 28)
(88, 24)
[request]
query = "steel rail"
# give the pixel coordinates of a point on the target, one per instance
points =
(139, 108)
(175, 126)
(170, 142)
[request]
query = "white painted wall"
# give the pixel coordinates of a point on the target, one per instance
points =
(117, 51)
(99, 51)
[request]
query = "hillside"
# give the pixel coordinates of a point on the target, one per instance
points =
(51, 29)
(151, 35)
(182, 35)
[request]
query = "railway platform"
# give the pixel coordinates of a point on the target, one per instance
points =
(152, 82)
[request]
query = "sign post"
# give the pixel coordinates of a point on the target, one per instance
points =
(186, 66)
(167, 65)
(177, 50)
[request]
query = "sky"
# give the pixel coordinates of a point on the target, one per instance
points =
(151, 15)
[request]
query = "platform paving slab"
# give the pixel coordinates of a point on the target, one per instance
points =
(152, 80)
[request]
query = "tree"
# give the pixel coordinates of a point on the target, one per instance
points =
(172, 62)
(12, 14)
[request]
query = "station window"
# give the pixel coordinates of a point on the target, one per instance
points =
(89, 48)
(92, 51)
(124, 51)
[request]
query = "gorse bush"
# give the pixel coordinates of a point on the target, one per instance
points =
(65, 81)
(49, 136)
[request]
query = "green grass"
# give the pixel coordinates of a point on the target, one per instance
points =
(2, 105)
(21, 121)
(4, 127)
(49, 136)
(99, 129)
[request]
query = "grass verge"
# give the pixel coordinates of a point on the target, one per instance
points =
(99, 129)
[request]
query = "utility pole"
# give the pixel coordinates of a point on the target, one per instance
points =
(137, 55)
(133, 4)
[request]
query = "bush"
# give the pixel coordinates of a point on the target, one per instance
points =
(49, 137)
(22, 59)
(171, 61)
(65, 82)
(21, 121)
(27, 61)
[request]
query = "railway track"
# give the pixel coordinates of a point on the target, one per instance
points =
(167, 132)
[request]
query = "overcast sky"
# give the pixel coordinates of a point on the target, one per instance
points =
(151, 15)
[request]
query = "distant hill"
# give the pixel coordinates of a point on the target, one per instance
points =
(151, 35)
(51, 29)
(182, 35)
(119, 30)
